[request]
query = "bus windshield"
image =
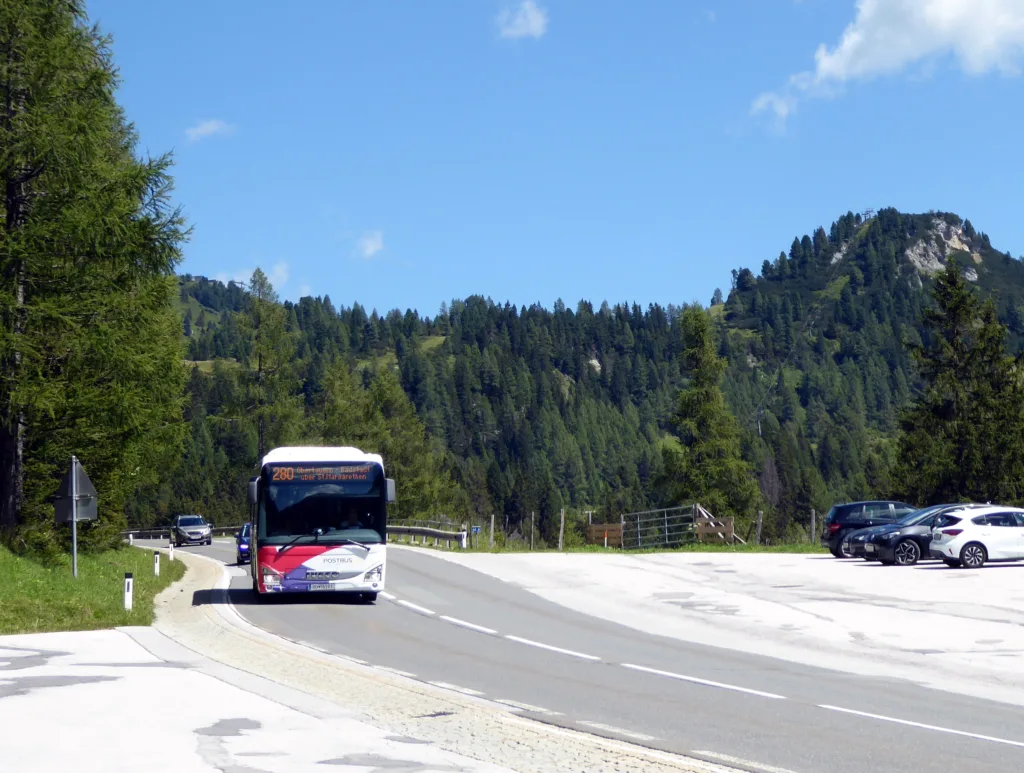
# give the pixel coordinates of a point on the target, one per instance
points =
(328, 503)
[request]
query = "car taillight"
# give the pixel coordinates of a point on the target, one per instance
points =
(952, 532)
(833, 528)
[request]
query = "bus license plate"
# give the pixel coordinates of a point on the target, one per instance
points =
(321, 586)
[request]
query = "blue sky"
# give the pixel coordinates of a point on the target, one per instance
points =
(404, 154)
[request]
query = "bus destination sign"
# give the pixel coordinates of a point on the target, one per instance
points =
(308, 473)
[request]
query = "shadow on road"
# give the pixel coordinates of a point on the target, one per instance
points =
(244, 597)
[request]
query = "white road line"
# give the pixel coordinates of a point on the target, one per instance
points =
(936, 728)
(313, 647)
(549, 647)
(396, 671)
(706, 682)
(354, 660)
(464, 624)
(744, 763)
(616, 730)
(463, 690)
(415, 607)
(528, 707)
(387, 596)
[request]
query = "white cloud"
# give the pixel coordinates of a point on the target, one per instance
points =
(208, 129)
(305, 290)
(710, 15)
(370, 243)
(889, 36)
(526, 20)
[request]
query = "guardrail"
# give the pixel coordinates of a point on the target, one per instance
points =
(134, 534)
(427, 532)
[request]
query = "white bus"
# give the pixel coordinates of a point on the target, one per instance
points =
(319, 522)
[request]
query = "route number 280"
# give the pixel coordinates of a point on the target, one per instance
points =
(283, 473)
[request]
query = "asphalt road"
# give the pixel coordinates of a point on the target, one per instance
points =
(458, 628)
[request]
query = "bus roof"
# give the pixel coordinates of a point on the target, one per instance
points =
(319, 454)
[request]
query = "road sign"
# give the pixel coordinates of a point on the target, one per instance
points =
(476, 529)
(76, 497)
(76, 501)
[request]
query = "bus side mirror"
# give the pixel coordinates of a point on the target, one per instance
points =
(391, 491)
(253, 490)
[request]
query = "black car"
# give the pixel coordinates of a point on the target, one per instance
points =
(842, 520)
(191, 530)
(909, 539)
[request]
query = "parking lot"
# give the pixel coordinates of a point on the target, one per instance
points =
(954, 629)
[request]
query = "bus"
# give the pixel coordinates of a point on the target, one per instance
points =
(318, 520)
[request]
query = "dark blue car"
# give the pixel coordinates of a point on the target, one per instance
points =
(242, 545)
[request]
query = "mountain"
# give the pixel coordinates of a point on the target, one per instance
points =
(533, 410)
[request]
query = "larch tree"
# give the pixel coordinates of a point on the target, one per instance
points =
(90, 351)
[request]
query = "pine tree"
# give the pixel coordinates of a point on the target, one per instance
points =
(709, 467)
(270, 387)
(91, 353)
(961, 438)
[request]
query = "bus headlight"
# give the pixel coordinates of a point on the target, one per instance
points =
(374, 574)
(270, 576)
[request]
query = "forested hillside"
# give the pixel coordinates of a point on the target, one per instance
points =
(532, 409)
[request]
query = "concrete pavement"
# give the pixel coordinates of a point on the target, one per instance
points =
(480, 636)
(131, 700)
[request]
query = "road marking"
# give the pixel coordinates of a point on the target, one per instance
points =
(706, 682)
(616, 730)
(415, 607)
(396, 671)
(744, 763)
(313, 647)
(923, 726)
(354, 660)
(387, 596)
(463, 690)
(549, 647)
(470, 626)
(528, 707)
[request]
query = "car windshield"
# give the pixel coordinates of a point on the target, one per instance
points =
(245, 531)
(916, 517)
(191, 520)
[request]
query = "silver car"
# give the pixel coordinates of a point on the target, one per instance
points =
(191, 530)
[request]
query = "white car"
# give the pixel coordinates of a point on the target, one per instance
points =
(971, 537)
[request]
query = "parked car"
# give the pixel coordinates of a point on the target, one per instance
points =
(908, 540)
(191, 530)
(842, 520)
(242, 554)
(969, 538)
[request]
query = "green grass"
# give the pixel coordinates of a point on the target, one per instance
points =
(37, 598)
(206, 366)
(432, 343)
(702, 547)
(834, 289)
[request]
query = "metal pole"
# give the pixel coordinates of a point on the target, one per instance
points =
(492, 531)
(814, 530)
(532, 521)
(639, 539)
(74, 517)
(666, 527)
(760, 520)
(561, 530)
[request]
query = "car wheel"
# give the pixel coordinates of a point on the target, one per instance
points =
(838, 551)
(972, 555)
(952, 563)
(907, 553)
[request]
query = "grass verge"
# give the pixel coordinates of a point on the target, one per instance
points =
(705, 547)
(37, 598)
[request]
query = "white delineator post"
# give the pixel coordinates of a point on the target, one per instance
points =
(128, 591)
(156, 563)
(170, 551)
(131, 538)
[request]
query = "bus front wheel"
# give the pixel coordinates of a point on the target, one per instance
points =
(368, 598)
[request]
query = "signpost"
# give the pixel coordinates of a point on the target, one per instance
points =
(76, 501)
